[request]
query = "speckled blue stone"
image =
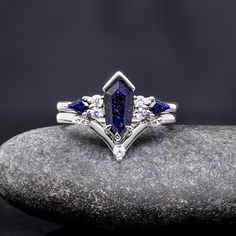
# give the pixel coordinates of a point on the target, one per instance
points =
(78, 106)
(118, 103)
(159, 107)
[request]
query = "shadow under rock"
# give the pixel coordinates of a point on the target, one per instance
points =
(188, 228)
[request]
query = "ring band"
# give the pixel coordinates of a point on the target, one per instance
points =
(63, 107)
(118, 116)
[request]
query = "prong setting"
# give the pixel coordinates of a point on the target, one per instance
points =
(145, 112)
(119, 152)
(114, 77)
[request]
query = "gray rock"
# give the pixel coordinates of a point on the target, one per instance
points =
(170, 174)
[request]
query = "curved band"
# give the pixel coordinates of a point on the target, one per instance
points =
(63, 107)
(73, 118)
(118, 116)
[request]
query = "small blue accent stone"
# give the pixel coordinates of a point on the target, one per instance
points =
(159, 107)
(78, 106)
(118, 103)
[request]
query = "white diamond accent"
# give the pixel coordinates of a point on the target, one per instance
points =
(141, 107)
(119, 152)
(156, 121)
(80, 120)
(139, 101)
(97, 101)
(96, 112)
(140, 113)
(77, 120)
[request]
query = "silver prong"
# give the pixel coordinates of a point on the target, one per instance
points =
(173, 107)
(87, 99)
(86, 114)
(152, 99)
(117, 137)
(107, 129)
(129, 128)
(118, 74)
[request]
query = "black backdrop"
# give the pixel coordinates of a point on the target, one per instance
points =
(177, 50)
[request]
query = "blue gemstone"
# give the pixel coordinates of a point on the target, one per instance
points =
(78, 106)
(118, 103)
(159, 107)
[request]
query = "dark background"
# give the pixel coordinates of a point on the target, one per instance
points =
(176, 50)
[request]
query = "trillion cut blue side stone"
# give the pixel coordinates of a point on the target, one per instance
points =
(78, 106)
(159, 107)
(118, 103)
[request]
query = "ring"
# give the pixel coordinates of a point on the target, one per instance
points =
(118, 116)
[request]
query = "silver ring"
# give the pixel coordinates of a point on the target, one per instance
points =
(118, 116)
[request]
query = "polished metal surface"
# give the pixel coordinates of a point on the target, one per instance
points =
(94, 117)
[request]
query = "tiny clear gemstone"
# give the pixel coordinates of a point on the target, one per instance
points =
(96, 112)
(97, 100)
(139, 102)
(140, 113)
(155, 122)
(142, 101)
(119, 152)
(77, 120)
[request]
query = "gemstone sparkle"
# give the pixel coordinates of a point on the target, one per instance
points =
(78, 106)
(159, 107)
(119, 152)
(118, 103)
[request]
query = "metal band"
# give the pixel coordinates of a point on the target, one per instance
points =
(63, 107)
(73, 118)
(127, 115)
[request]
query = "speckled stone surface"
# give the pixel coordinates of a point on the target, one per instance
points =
(170, 174)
